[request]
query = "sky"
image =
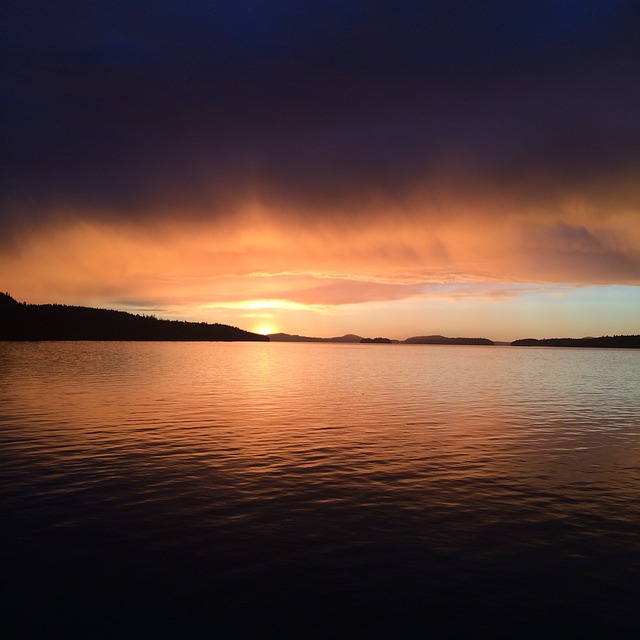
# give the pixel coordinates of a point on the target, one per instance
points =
(464, 168)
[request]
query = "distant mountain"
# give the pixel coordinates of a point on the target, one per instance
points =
(352, 338)
(445, 340)
(617, 342)
(61, 322)
(348, 337)
(287, 337)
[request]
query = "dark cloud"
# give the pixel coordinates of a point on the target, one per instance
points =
(574, 254)
(127, 108)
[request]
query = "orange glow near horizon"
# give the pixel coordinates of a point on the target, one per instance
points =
(394, 274)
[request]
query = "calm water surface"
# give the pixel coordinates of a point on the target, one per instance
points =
(319, 490)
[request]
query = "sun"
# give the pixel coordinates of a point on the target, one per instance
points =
(265, 330)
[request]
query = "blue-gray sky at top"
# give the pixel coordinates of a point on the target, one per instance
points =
(130, 109)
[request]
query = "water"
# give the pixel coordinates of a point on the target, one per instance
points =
(319, 490)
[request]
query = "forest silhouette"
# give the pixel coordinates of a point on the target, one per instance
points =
(614, 342)
(21, 321)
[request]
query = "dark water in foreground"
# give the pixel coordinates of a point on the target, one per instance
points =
(319, 490)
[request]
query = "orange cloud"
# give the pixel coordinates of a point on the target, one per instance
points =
(256, 255)
(291, 269)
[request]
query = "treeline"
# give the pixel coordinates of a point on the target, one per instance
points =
(61, 322)
(617, 342)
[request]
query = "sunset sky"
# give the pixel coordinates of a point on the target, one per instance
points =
(382, 168)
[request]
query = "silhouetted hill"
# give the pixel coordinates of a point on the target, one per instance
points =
(376, 341)
(62, 322)
(348, 337)
(445, 340)
(7, 302)
(287, 337)
(617, 342)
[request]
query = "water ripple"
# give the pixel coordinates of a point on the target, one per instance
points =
(195, 478)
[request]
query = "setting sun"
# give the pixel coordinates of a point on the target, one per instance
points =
(265, 330)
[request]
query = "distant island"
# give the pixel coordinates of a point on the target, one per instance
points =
(30, 322)
(445, 340)
(352, 338)
(616, 342)
(287, 337)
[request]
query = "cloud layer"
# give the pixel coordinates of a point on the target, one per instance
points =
(146, 109)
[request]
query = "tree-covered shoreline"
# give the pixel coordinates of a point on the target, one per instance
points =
(614, 342)
(33, 322)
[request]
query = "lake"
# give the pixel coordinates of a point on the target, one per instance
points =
(200, 490)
